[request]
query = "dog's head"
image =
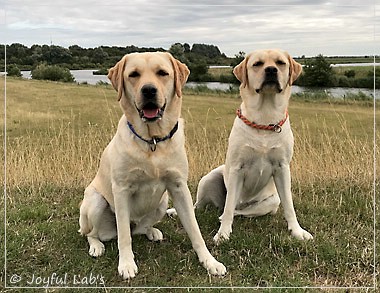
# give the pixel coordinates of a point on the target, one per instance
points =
(147, 82)
(267, 71)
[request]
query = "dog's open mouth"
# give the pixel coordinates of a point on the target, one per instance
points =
(151, 112)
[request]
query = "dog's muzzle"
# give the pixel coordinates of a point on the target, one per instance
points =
(270, 80)
(150, 111)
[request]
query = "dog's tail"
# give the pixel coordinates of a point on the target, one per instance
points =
(211, 189)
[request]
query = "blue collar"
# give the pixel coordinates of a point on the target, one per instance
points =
(153, 142)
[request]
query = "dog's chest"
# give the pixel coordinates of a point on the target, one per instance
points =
(145, 187)
(258, 164)
(256, 160)
(146, 184)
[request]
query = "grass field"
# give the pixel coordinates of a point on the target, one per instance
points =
(56, 133)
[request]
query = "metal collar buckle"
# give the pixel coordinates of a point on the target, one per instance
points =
(153, 144)
(276, 128)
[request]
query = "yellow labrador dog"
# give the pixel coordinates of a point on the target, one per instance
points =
(145, 158)
(256, 174)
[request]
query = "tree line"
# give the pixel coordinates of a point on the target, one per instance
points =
(45, 61)
(76, 57)
(198, 56)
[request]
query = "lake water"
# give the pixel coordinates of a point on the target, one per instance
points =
(86, 76)
(81, 76)
(336, 92)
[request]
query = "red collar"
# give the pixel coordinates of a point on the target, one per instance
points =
(273, 127)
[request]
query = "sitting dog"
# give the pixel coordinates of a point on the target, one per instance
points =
(256, 174)
(143, 164)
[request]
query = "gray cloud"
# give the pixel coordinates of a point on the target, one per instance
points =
(302, 27)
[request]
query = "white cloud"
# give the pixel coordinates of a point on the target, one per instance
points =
(302, 27)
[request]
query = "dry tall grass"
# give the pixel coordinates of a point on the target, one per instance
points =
(62, 156)
(67, 151)
(333, 154)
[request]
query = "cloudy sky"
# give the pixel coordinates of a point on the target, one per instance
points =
(309, 27)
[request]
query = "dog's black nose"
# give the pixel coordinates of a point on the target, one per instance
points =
(271, 70)
(149, 91)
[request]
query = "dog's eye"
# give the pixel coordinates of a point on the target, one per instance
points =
(280, 62)
(258, 63)
(162, 73)
(134, 74)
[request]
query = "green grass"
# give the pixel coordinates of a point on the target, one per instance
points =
(359, 59)
(217, 71)
(360, 71)
(56, 133)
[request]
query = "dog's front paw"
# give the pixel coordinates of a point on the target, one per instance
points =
(154, 234)
(171, 212)
(128, 269)
(214, 267)
(301, 234)
(222, 235)
(96, 249)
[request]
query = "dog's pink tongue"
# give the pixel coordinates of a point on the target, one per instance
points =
(150, 113)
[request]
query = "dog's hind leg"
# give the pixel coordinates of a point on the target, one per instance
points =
(96, 246)
(96, 221)
(265, 202)
(256, 209)
(211, 188)
(145, 226)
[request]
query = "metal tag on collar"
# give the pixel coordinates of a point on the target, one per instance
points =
(276, 128)
(153, 144)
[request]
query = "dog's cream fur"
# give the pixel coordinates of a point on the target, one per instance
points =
(256, 174)
(133, 182)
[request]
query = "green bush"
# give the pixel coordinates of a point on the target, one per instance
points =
(317, 72)
(344, 81)
(198, 71)
(350, 73)
(230, 78)
(365, 82)
(13, 70)
(52, 72)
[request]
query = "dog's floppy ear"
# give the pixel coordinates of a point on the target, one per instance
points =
(295, 70)
(115, 75)
(241, 72)
(181, 73)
